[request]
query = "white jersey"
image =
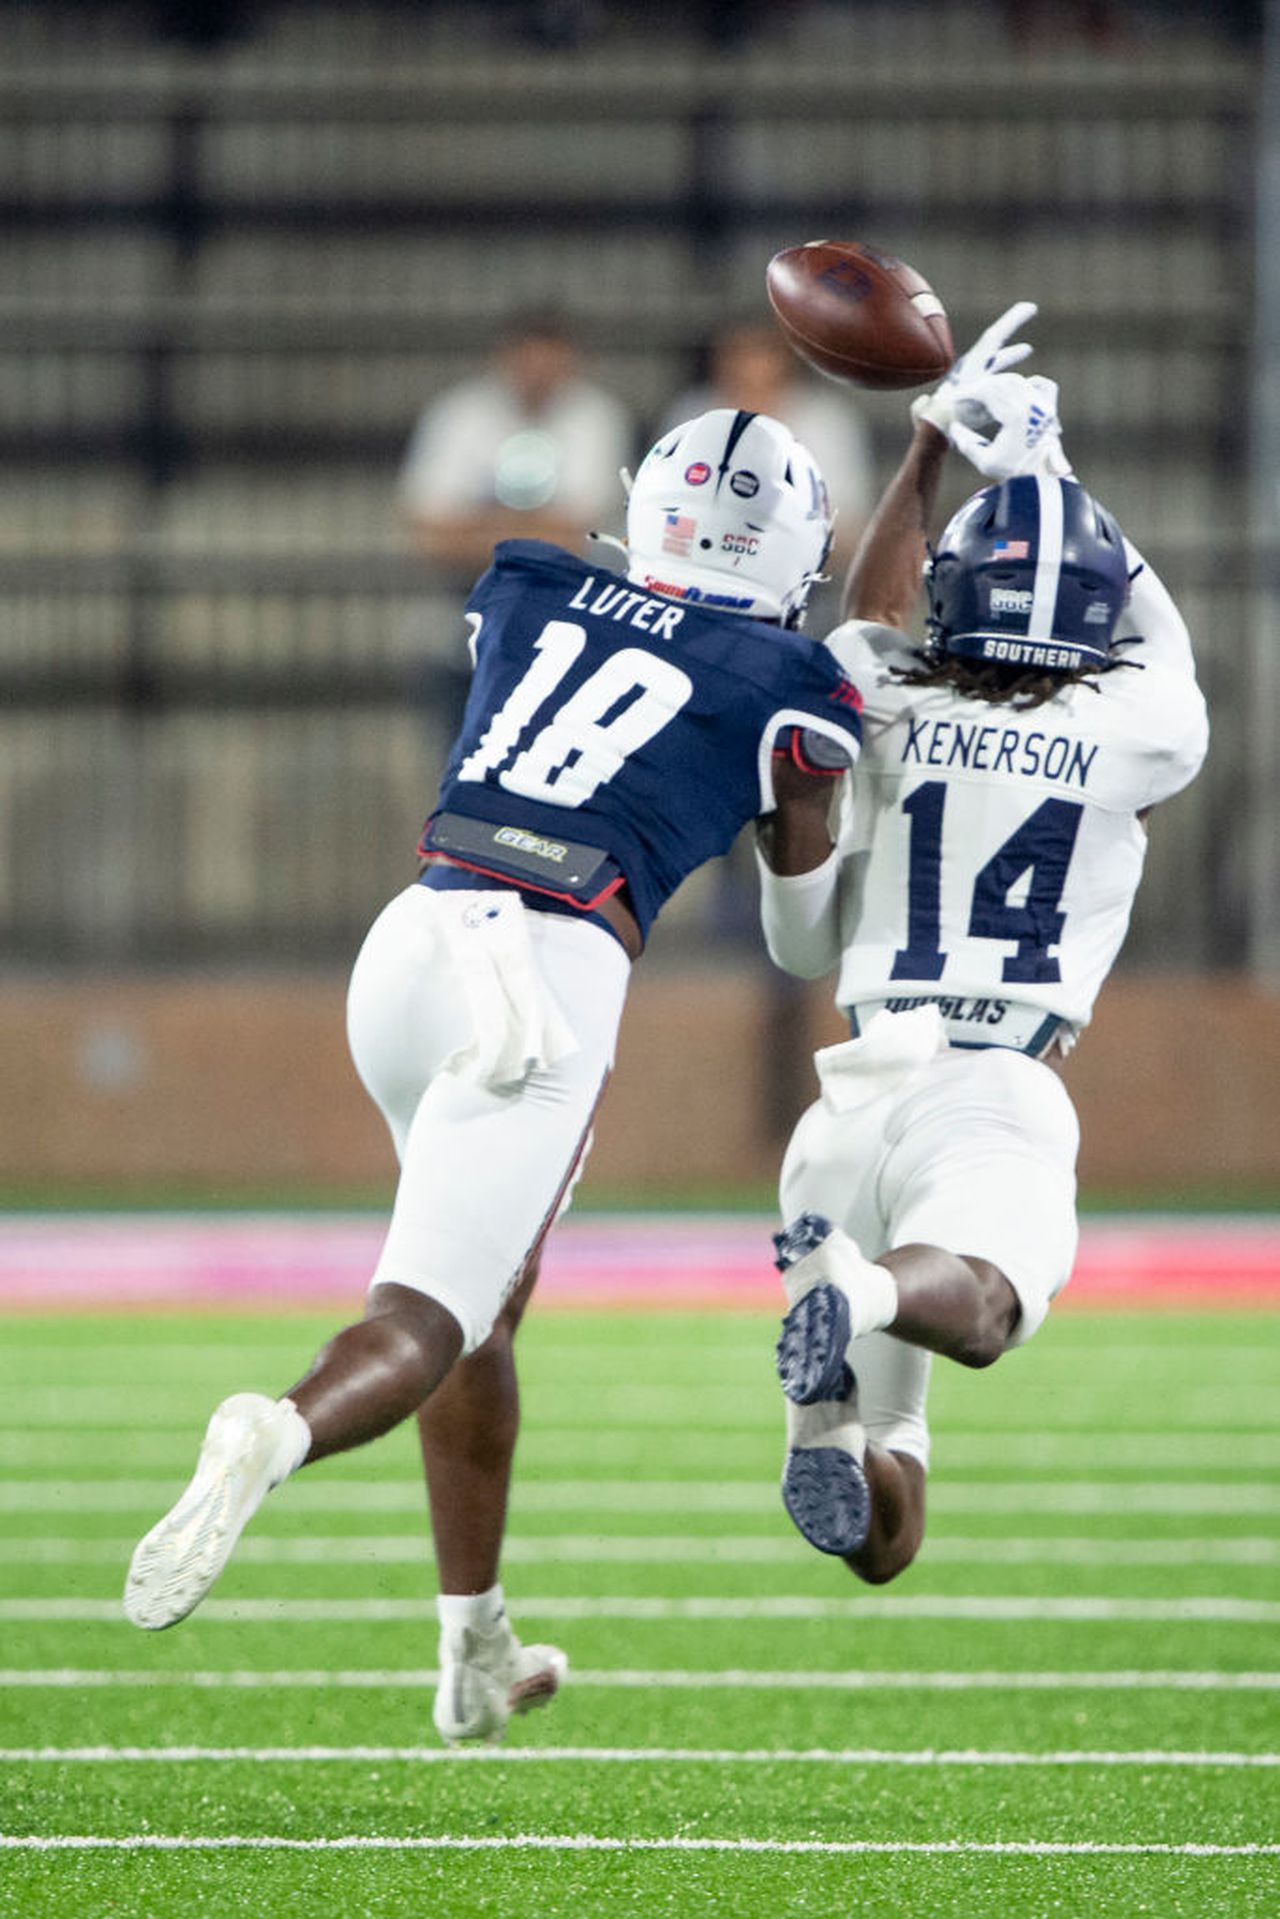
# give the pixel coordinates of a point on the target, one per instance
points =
(989, 855)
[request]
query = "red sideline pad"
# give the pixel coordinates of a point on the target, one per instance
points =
(264, 1260)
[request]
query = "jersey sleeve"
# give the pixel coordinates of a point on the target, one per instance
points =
(1151, 624)
(1183, 737)
(1167, 729)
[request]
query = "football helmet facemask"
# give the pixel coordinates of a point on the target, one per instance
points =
(1031, 574)
(729, 511)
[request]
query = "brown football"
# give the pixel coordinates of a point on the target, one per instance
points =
(859, 314)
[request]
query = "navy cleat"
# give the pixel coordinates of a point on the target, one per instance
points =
(803, 1235)
(824, 1486)
(816, 1331)
(811, 1348)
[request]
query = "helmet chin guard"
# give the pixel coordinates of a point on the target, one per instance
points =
(1030, 574)
(730, 511)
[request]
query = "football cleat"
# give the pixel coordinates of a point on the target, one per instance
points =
(486, 1677)
(824, 1486)
(251, 1444)
(816, 1331)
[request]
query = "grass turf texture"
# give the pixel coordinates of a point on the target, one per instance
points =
(1117, 1459)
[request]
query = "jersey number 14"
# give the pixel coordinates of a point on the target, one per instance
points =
(1041, 848)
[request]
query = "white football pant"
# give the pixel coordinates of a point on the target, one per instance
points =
(973, 1151)
(485, 1031)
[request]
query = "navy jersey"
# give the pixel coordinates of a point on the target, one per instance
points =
(604, 718)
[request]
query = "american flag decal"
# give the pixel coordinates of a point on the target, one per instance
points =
(1010, 550)
(677, 533)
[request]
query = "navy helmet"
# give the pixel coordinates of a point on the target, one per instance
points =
(1030, 574)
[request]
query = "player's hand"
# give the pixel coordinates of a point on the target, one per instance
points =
(990, 353)
(1006, 424)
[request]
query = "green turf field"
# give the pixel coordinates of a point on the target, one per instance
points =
(1070, 1706)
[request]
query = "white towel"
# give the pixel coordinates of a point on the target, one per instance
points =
(516, 1025)
(894, 1045)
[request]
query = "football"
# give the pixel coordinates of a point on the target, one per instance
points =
(860, 315)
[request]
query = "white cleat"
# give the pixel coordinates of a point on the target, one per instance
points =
(485, 1677)
(252, 1443)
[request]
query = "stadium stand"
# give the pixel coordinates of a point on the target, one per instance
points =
(242, 253)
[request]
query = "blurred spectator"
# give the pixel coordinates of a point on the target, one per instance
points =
(750, 365)
(529, 449)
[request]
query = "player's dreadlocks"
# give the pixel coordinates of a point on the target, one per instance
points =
(996, 682)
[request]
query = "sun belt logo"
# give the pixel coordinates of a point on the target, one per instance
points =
(1097, 613)
(1011, 599)
(732, 602)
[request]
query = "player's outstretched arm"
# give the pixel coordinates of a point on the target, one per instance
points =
(884, 578)
(1152, 618)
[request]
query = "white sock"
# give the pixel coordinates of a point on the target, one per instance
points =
(828, 1422)
(871, 1290)
(470, 1612)
(877, 1299)
(295, 1441)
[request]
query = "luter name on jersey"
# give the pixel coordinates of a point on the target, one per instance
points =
(999, 749)
(617, 601)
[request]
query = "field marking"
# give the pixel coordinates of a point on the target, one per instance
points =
(1182, 1499)
(644, 1261)
(665, 1679)
(547, 1447)
(1029, 1609)
(135, 1407)
(746, 1549)
(622, 1755)
(593, 1842)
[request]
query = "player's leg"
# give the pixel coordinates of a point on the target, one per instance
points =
(447, 1264)
(979, 1150)
(468, 1431)
(368, 1378)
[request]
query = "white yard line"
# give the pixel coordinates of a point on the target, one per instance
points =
(592, 1842)
(620, 1755)
(1223, 1450)
(728, 1679)
(674, 1549)
(1027, 1609)
(1184, 1498)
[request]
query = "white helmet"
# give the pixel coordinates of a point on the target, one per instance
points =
(729, 510)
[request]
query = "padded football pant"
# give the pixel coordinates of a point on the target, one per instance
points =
(974, 1152)
(484, 1166)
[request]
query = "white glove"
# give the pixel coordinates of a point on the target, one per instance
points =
(987, 355)
(1006, 424)
(1003, 423)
